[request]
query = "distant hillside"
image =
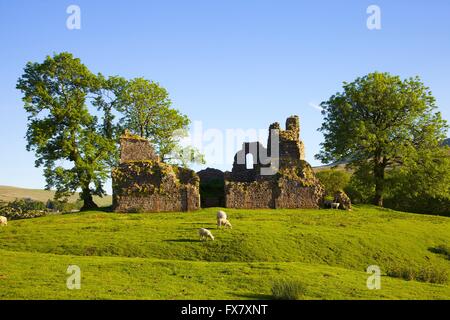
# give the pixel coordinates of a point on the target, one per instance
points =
(339, 165)
(8, 193)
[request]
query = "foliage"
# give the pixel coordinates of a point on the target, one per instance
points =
(288, 290)
(62, 129)
(23, 209)
(442, 249)
(63, 206)
(361, 188)
(72, 125)
(333, 180)
(382, 122)
(422, 185)
(148, 112)
(431, 274)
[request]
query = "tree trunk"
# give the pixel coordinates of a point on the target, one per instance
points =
(88, 201)
(379, 184)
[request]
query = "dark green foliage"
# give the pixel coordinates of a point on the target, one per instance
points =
(333, 180)
(288, 290)
(63, 206)
(442, 249)
(381, 122)
(361, 188)
(23, 209)
(431, 274)
(421, 185)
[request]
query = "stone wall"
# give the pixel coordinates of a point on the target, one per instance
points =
(293, 186)
(142, 183)
(135, 148)
(250, 195)
(293, 194)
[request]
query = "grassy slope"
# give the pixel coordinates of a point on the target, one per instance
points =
(159, 256)
(8, 193)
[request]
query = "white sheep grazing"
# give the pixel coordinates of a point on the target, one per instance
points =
(221, 215)
(205, 234)
(335, 205)
(225, 223)
(3, 221)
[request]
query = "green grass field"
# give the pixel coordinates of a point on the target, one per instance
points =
(8, 193)
(159, 256)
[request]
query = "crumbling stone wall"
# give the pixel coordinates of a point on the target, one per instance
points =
(293, 186)
(142, 183)
(250, 195)
(135, 148)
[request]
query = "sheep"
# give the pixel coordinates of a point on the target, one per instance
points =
(3, 221)
(205, 234)
(221, 217)
(225, 223)
(335, 205)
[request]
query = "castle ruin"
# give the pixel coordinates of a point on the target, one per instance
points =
(274, 177)
(142, 183)
(292, 184)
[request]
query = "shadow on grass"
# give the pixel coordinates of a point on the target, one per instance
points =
(442, 250)
(182, 240)
(253, 296)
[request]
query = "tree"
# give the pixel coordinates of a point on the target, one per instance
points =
(422, 184)
(147, 111)
(69, 142)
(381, 121)
(334, 180)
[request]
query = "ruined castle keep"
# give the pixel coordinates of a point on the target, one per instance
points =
(292, 183)
(142, 183)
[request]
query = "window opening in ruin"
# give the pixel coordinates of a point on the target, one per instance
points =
(249, 161)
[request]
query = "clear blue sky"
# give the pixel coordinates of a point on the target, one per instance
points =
(230, 64)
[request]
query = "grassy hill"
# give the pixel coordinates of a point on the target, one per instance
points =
(8, 193)
(159, 256)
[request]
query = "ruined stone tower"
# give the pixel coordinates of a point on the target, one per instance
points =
(142, 183)
(292, 184)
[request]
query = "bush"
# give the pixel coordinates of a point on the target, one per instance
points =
(63, 206)
(288, 290)
(431, 274)
(27, 205)
(361, 188)
(23, 209)
(333, 180)
(442, 249)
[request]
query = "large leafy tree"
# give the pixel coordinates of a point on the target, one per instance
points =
(422, 184)
(379, 122)
(148, 112)
(72, 144)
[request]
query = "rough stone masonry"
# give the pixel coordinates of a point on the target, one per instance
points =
(294, 185)
(142, 183)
